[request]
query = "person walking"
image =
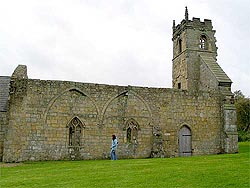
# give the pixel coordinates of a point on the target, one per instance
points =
(113, 148)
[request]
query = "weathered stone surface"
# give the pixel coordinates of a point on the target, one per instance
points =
(38, 126)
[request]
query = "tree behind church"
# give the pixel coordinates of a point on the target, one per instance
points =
(242, 105)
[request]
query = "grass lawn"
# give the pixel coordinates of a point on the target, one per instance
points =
(231, 170)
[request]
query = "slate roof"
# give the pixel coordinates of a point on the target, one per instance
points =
(4, 93)
(215, 68)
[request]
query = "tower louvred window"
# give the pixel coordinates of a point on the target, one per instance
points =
(203, 42)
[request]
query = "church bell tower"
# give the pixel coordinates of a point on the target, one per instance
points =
(195, 68)
(191, 40)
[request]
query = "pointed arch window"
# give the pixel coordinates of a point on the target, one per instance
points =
(203, 42)
(132, 131)
(75, 132)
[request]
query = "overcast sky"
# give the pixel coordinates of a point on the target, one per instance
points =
(117, 42)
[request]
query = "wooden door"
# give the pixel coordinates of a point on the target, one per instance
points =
(185, 142)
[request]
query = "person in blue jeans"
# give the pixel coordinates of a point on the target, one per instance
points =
(113, 148)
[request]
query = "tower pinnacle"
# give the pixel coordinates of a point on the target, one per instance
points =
(173, 26)
(186, 13)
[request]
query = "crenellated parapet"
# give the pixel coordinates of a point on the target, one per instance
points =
(195, 23)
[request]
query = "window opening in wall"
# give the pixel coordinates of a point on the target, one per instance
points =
(132, 132)
(203, 42)
(71, 132)
(180, 45)
(75, 132)
(129, 134)
(179, 85)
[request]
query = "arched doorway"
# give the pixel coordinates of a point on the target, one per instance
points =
(185, 141)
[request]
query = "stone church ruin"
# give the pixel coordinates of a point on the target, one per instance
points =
(62, 120)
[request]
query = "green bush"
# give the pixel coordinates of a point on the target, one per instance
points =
(243, 136)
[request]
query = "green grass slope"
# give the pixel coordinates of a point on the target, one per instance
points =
(230, 170)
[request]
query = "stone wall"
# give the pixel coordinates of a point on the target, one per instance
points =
(42, 112)
(3, 125)
(4, 95)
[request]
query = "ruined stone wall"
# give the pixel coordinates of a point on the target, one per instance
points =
(42, 112)
(200, 113)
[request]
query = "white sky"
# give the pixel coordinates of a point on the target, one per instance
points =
(117, 42)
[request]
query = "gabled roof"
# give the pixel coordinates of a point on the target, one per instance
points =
(215, 68)
(4, 93)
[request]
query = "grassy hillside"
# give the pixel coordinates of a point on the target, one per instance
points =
(231, 170)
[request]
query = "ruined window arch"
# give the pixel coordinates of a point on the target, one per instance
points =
(203, 42)
(75, 130)
(132, 131)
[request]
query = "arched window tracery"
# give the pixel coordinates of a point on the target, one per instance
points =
(75, 132)
(132, 131)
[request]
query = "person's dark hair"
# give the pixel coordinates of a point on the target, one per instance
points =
(113, 137)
